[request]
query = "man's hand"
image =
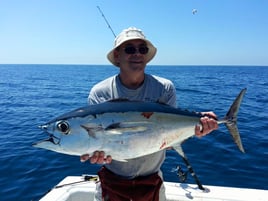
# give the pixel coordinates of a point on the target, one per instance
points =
(98, 157)
(208, 122)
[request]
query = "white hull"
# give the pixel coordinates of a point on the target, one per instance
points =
(174, 191)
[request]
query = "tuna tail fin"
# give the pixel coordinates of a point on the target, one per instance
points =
(231, 119)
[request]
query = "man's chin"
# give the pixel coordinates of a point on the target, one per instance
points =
(139, 64)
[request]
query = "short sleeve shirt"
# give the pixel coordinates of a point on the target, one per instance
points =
(153, 89)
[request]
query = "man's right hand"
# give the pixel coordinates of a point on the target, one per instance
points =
(98, 157)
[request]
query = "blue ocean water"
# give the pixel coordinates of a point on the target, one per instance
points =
(33, 94)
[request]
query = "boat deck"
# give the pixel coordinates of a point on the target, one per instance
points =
(69, 190)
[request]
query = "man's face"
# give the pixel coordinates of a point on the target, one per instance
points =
(132, 55)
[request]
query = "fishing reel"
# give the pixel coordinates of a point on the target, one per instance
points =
(182, 175)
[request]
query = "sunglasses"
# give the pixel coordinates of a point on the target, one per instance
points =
(133, 50)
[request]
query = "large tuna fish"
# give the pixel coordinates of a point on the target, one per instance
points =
(127, 129)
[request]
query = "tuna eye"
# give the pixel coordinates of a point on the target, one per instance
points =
(63, 127)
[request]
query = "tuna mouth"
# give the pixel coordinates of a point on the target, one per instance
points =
(52, 138)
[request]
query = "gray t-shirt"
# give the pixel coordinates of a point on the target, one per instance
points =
(153, 89)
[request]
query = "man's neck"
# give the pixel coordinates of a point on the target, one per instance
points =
(132, 81)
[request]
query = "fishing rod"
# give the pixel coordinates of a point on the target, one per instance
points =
(183, 175)
(109, 26)
(86, 178)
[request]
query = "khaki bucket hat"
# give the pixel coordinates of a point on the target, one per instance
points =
(131, 33)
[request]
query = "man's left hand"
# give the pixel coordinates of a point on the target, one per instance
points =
(208, 123)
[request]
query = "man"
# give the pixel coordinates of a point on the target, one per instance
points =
(131, 52)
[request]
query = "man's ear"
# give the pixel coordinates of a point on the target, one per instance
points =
(116, 56)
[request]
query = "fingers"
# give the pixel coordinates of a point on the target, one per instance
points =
(108, 159)
(198, 131)
(210, 115)
(98, 157)
(84, 158)
(208, 124)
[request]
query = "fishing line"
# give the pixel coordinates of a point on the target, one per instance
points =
(109, 26)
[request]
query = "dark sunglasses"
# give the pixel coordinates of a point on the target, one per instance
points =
(133, 50)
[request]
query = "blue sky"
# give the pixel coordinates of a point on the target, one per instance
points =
(227, 32)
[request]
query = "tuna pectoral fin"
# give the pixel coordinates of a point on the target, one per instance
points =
(231, 119)
(91, 130)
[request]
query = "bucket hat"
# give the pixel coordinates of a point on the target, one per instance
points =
(131, 33)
